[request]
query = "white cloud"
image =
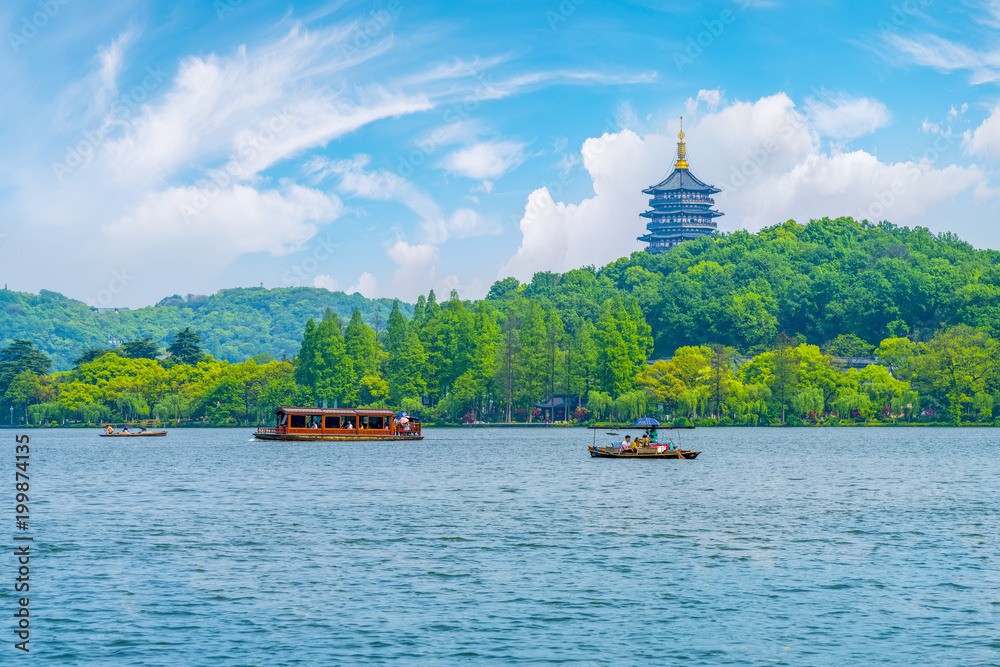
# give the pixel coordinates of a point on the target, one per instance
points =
(112, 59)
(367, 286)
(467, 223)
(325, 282)
(843, 117)
(946, 56)
(474, 289)
(985, 139)
(764, 156)
(485, 160)
(228, 223)
(713, 98)
(255, 108)
(417, 268)
(383, 185)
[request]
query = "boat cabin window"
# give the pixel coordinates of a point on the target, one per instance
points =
(332, 422)
(297, 421)
(376, 422)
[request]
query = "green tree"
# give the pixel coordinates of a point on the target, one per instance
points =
(21, 392)
(958, 363)
(185, 347)
(361, 346)
(132, 406)
(90, 355)
(144, 348)
(531, 369)
(784, 371)
(508, 351)
(473, 386)
(720, 377)
(19, 357)
(406, 359)
(172, 406)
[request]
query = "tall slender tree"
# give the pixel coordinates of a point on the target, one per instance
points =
(406, 360)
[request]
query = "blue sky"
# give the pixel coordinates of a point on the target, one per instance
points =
(393, 147)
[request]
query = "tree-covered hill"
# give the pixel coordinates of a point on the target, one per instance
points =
(816, 281)
(831, 322)
(235, 324)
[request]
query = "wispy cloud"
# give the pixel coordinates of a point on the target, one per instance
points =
(929, 50)
(484, 160)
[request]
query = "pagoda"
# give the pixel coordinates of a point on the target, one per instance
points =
(682, 207)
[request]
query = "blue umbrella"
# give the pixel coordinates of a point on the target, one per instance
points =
(646, 421)
(401, 415)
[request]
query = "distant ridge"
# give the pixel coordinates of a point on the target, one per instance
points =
(235, 324)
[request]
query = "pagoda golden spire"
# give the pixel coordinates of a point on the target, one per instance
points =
(681, 151)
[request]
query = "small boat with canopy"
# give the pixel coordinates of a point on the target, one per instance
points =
(646, 445)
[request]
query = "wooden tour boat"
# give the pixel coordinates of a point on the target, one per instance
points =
(661, 450)
(340, 424)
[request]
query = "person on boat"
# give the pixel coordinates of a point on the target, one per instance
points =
(349, 425)
(110, 429)
(125, 429)
(142, 429)
(627, 443)
(654, 436)
(314, 425)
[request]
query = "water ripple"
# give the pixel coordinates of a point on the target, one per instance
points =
(774, 547)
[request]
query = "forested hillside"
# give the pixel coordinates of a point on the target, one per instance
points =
(815, 281)
(833, 322)
(235, 324)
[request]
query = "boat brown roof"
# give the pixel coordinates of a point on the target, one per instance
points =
(334, 411)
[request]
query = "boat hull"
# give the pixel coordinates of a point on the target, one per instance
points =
(149, 434)
(296, 437)
(602, 453)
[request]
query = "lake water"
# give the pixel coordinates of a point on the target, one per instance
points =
(775, 547)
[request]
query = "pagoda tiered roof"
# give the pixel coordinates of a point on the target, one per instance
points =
(681, 206)
(681, 179)
(682, 211)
